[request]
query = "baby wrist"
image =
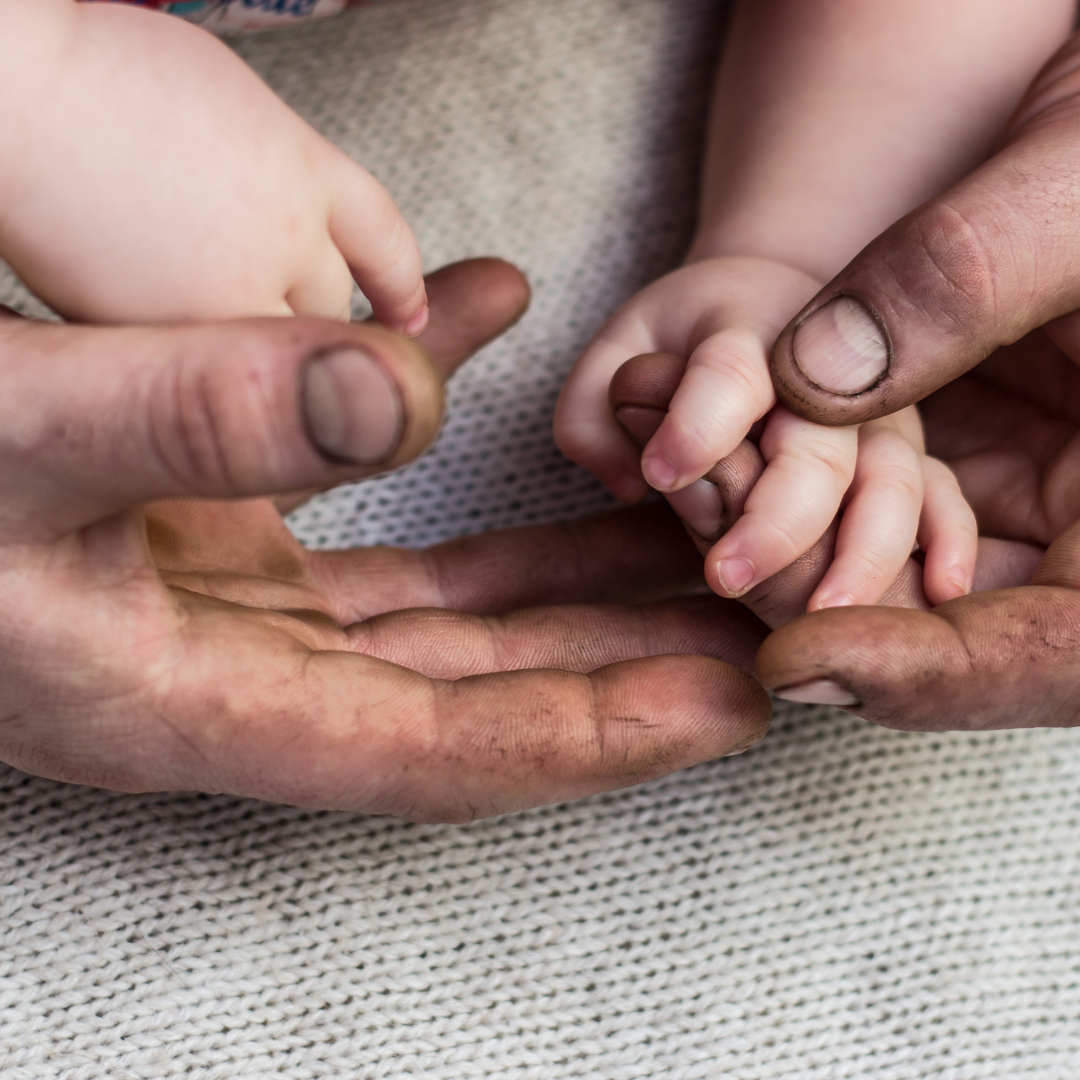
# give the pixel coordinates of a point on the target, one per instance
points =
(698, 253)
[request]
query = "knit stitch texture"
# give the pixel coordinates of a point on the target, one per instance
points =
(840, 903)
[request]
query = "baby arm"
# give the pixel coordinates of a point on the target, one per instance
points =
(831, 119)
(152, 177)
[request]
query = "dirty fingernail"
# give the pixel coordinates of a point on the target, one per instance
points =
(352, 408)
(735, 575)
(841, 348)
(818, 692)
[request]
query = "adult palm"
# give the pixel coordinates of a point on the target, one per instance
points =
(192, 643)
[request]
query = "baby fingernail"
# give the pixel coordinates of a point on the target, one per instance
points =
(818, 692)
(832, 601)
(418, 322)
(352, 408)
(735, 576)
(959, 581)
(841, 348)
(659, 472)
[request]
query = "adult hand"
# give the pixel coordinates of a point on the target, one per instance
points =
(1002, 658)
(192, 644)
(995, 257)
(984, 266)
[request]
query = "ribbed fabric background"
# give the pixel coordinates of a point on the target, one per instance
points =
(841, 902)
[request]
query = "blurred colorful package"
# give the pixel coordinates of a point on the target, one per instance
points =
(225, 15)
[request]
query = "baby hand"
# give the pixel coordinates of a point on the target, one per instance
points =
(723, 314)
(152, 177)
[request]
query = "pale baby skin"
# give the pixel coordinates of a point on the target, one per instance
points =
(831, 120)
(151, 176)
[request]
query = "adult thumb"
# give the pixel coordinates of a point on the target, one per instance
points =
(978, 267)
(95, 420)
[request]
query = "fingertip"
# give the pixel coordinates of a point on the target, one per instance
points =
(659, 473)
(957, 588)
(833, 600)
(964, 581)
(956, 583)
(418, 323)
(948, 534)
(352, 408)
(732, 577)
(605, 450)
(403, 316)
(961, 576)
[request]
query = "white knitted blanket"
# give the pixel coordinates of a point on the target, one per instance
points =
(841, 902)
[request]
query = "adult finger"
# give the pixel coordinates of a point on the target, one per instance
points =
(623, 556)
(546, 736)
(338, 729)
(98, 419)
(471, 302)
(974, 269)
(573, 637)
(1004, 658)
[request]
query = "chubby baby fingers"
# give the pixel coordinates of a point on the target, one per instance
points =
(379, 248)
(725, 389)
(948, 534)
(879, 525)
(807, 473)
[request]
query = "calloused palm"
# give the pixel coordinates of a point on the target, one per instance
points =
(192, 643)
